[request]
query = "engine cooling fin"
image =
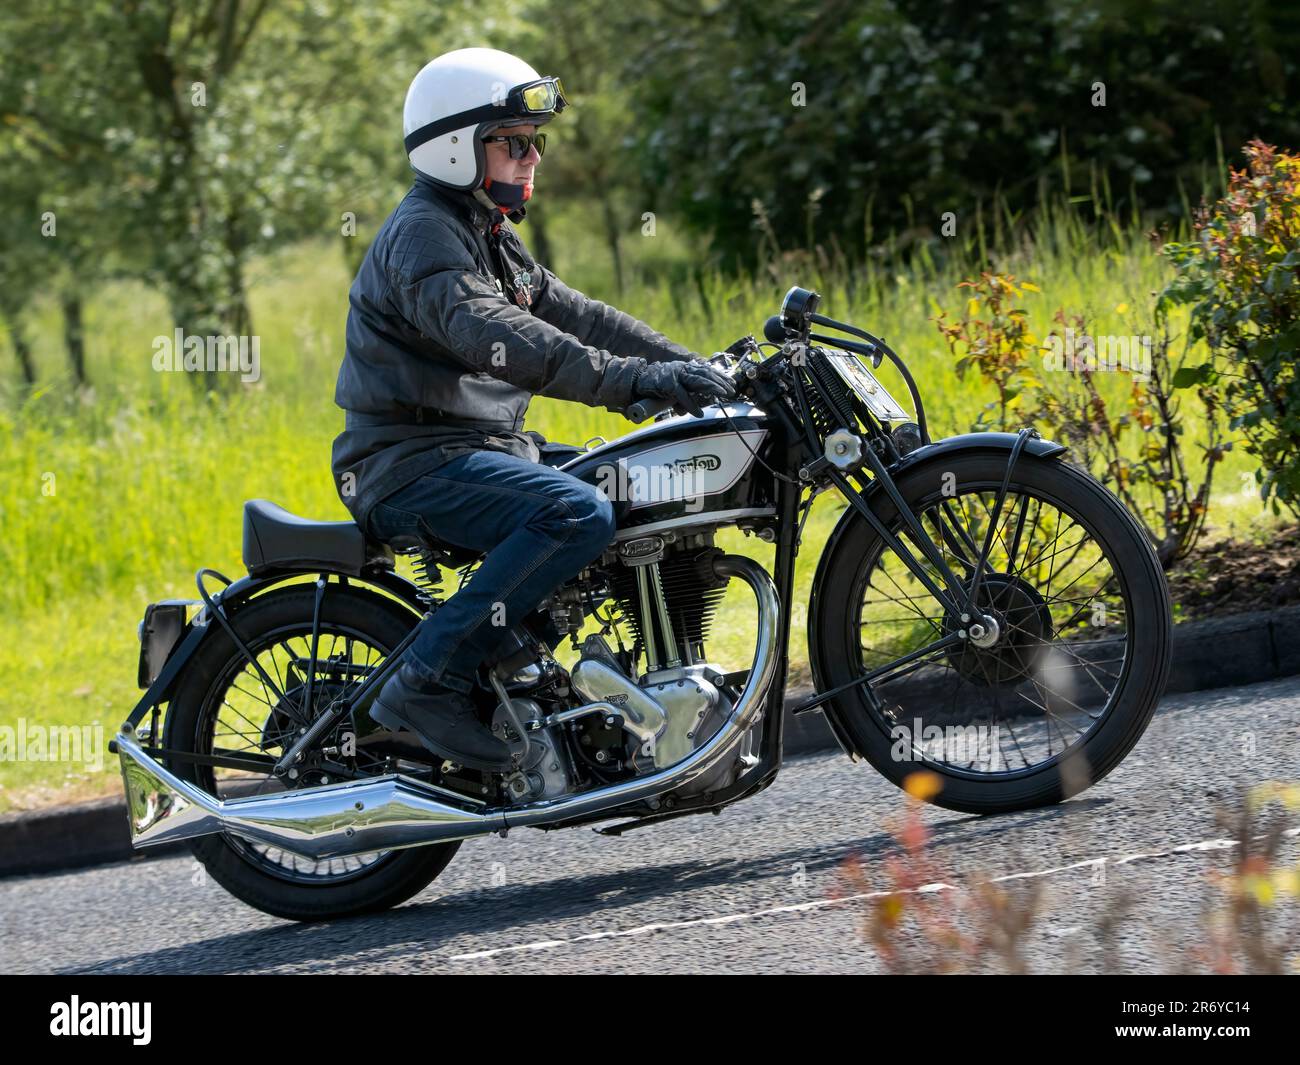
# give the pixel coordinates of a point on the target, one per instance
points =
(692, 591)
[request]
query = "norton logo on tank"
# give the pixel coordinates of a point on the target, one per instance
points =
(687, 470)
(699, 462)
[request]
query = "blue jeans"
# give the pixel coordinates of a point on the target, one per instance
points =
(538, 526)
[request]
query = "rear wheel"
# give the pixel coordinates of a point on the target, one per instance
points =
(1058, 676)
(223, 704)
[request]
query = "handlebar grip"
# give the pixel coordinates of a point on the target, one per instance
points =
(647, 408)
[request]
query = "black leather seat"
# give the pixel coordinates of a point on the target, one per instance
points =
(275, 539)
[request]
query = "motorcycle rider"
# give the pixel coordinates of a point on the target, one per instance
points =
(452, 328)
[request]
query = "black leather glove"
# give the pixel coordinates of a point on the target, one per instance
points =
(686, 383)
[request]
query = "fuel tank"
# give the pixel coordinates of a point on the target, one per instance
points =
(685, 471)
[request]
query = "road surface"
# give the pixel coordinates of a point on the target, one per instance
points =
(761, 888)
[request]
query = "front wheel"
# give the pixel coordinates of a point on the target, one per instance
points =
(1049, 687)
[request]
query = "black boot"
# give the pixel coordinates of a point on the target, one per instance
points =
(444, 720)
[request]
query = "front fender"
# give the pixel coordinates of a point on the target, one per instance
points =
(939, 450)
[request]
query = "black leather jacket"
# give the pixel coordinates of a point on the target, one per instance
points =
(452, 328)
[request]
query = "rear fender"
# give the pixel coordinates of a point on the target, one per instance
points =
(197, 628)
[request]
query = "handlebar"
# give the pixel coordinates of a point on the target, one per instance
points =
(798, 314)
(649, 408)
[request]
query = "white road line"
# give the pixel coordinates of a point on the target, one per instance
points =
(819, 904)
(729, 918)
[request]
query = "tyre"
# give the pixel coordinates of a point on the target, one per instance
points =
(1049, 687)
(223, 703)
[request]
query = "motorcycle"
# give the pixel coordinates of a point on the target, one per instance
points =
(984, 612)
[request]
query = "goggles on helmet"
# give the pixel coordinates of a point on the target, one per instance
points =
(538, 97)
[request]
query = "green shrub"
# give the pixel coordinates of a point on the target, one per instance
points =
(1128, 431)
(1241, 278)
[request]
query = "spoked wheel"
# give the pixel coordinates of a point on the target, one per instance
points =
(1053, 677)
(225, 706)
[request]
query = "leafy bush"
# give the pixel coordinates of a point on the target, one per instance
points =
(1135, 442)
(1241, 276)
(998, 343)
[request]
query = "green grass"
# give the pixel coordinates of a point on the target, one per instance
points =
(114, 498)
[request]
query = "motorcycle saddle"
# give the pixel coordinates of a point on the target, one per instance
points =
(275, 539)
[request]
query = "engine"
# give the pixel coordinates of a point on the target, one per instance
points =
(608, 720)
(625, 712)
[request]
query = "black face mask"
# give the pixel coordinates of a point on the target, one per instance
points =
(509, 196)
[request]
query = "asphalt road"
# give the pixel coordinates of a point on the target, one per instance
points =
(762, 888)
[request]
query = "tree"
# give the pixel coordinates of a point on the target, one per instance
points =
(185, 138)
(844, 119)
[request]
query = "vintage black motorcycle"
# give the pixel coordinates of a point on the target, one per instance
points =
(983, 611)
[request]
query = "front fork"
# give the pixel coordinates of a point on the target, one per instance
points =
(958, 599)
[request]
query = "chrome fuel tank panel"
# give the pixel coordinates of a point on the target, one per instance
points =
(684, 470)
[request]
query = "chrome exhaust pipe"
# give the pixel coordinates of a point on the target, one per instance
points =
(332, 821)
(387, 813)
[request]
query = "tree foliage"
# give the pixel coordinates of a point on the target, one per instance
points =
(845, 119)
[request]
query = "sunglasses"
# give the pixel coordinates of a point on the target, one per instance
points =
(520, 143)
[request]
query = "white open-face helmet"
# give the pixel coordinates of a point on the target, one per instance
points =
(455, 99)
